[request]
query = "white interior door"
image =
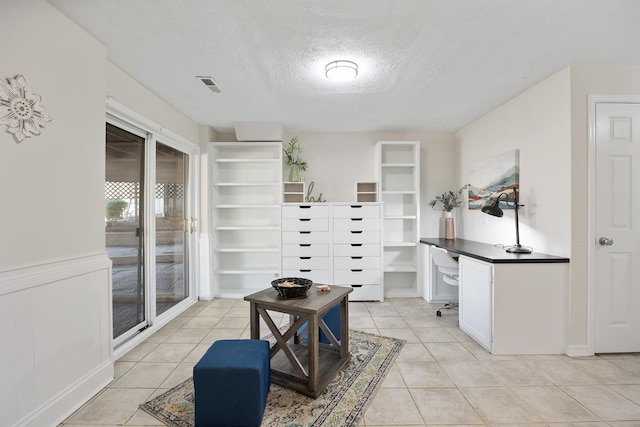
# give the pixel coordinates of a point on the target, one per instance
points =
(617, 248)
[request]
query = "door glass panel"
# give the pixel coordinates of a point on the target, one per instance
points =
(171, 231)
(124, 227)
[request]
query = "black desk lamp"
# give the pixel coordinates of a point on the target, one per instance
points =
(493, 208)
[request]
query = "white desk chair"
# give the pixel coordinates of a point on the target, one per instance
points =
(449, 269)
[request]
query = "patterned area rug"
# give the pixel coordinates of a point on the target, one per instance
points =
(342, 403)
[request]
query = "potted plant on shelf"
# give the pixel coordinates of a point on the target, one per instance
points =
(446, 202)
(292, 152)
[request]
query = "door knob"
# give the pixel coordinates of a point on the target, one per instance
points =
(605, 241)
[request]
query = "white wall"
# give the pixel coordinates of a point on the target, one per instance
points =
(131, 93)
(55, 324)
(49, 182)
(537, 122)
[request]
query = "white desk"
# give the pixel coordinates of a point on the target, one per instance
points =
(510, 303)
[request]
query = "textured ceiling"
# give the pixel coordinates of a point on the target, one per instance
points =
(425, 65)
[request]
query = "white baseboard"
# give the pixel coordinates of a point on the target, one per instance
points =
(579, 351)
(67, 402)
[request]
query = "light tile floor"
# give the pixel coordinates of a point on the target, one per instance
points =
(441, 377)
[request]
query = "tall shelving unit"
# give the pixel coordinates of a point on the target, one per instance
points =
(246, 195)
(398, 168)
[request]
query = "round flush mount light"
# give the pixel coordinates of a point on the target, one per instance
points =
(341, 71)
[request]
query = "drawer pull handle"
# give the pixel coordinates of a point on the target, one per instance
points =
(356, 286)
(356, 206)
(305, 257)
(356, 257)
(304, 219)
(356, 232)
(305, 271)
(356, 270)
(356, 219)
(305, 245)
(356, 244)
(304, 207)
(304, 232)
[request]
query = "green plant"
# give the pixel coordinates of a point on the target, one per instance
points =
(114, 209)
(448, 200)
(292, 152)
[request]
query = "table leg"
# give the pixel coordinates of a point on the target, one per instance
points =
(254, 321)
(344, 326)
(313, 349)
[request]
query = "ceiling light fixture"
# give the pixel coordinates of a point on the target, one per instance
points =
(341, 71)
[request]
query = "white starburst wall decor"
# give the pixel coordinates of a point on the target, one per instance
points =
(20, 109)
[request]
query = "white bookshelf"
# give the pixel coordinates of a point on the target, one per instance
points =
(398, 168)
(245, 185)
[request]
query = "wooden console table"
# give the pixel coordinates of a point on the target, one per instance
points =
(304, 365)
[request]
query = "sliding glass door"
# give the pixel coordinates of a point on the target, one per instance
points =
(148, 226)
(124, 227)
(172, 227)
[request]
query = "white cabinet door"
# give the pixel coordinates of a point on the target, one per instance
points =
(476, 300)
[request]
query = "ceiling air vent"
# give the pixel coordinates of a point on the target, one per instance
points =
(208, 82)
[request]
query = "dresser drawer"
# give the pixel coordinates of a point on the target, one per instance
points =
(305, 263)
(298, 237)
(356, 237)
(356, 211)
(319, 276)
(366, 293)
(350, 263)
(305, 249)
(305, 211)
(356, 249)
(371, 276)
(305, 224)
(357, 224)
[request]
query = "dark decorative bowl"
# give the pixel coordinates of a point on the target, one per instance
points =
(299, 288)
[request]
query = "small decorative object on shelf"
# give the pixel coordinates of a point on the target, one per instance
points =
(296, 165)
(311, 199)
(20, 109)
(446, 202)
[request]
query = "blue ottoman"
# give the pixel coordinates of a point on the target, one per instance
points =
(231, 383)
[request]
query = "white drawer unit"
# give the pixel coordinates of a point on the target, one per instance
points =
(304, 237)
(305, 262)
(373, 292)
(356, 211)
(356, 262)
(305, 224)
(356, 249)
(336, 244)
(365, 236)
(355, 224)
(306, 249)
(305, 211)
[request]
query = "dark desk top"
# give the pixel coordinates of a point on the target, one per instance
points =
(490, 253)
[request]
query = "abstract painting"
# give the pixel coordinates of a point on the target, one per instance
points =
(490, 177)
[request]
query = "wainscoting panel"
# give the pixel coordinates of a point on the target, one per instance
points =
(55, 330)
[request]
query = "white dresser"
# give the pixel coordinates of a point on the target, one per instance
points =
(306, 241)
(336, 244)
(357, 250)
